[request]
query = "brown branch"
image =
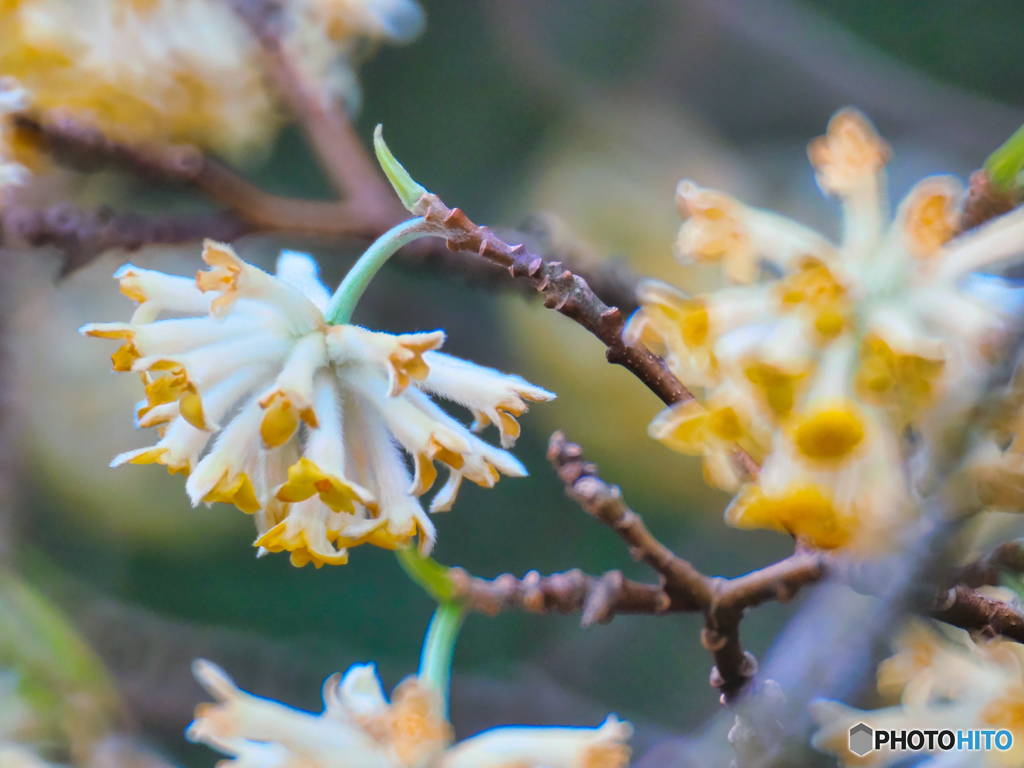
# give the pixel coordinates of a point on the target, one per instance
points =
(965, 608)
(84, 235)
(985, 201)
(86, 148)
(327, 128)
(563, 291)
(722, 601)
(986, 570)
(599, 598)
(685, 584)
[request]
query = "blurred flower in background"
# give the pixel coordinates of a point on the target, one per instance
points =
(186, 70)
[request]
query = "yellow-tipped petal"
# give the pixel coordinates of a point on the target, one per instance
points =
(222, 277)
(932, 220)
(306, 479)
(280, 539)
(280, 420)
(237, 491)
(125, 357)
(191, 409)
(426, 474)
(682, 427)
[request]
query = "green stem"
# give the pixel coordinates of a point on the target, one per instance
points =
(1005, 163)
(344, 301)
(439, 648)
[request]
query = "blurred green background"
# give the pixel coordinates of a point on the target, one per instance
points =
(590, 111)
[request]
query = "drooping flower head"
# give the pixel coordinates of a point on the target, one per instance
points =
(263, 404)
(186, 70)
(360, 728)
(829, 360)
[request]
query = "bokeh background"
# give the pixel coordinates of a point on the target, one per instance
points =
(590, 112)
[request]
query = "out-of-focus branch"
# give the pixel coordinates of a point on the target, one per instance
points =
(963, 607)
(326, 126)
(85, 148)
(84, 235)
(722, 601)
(986, 570)
(986, 200)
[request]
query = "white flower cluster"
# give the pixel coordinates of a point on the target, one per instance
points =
(307, 416)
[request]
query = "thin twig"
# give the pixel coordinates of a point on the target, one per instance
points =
(563, 291)
(721, 601)
(84, 235)
(599, 598)
(986, 570)
(986, 200)
(963, 607)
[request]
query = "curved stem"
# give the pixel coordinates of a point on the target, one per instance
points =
(439, 648)
(427, 572)
(344, 301)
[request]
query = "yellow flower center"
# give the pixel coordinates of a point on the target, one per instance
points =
(830, 434)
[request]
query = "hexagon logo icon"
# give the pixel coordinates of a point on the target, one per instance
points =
(862, 739)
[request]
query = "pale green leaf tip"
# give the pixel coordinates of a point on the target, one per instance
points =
(1004, 166)
(408, 190)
